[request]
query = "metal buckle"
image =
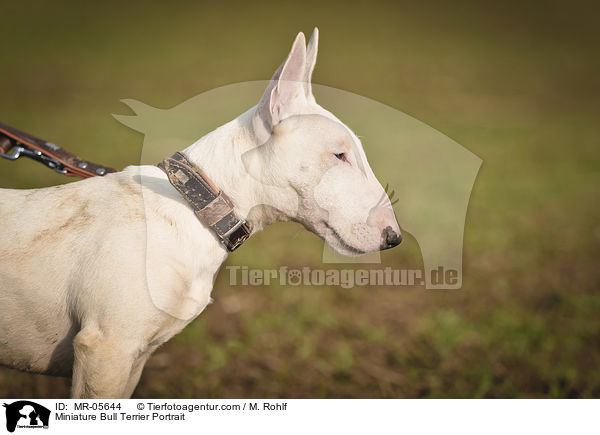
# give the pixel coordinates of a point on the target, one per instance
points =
(22, 151)
(16, 153)
(237, 235)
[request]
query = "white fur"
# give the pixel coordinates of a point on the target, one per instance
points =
(95, 275)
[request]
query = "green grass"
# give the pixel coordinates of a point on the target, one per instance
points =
(514, 83)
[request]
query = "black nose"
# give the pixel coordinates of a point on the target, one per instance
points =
(390, 238)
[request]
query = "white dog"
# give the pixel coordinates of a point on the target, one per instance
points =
(96, 274)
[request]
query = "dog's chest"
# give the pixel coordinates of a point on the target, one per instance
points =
(181, 268)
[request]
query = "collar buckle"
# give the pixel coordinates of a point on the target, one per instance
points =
(237, 235)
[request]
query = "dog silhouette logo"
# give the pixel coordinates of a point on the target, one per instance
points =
(26, 414)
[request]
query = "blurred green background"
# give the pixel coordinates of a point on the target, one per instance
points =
(514, 82)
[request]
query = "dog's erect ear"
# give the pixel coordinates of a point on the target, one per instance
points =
(290, 85)
(285, 92)
(311, 60)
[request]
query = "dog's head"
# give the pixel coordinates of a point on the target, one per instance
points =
(319, 162)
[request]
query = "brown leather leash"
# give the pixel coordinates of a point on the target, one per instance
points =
(211, 205)
(15, 144)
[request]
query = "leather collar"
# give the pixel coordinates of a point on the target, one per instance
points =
(211, 205)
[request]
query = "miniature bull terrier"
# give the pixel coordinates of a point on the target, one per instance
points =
(95, 275)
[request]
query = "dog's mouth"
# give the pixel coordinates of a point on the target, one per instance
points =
(342, 242)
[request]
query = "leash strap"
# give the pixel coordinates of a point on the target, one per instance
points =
(14, 144)
(212, 207)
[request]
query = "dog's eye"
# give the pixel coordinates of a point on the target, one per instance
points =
(341, 156)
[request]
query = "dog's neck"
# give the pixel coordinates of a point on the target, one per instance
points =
(219, 155)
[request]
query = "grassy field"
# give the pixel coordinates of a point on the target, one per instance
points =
(515, 83)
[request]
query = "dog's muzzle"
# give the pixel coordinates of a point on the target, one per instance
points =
(390, 238)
